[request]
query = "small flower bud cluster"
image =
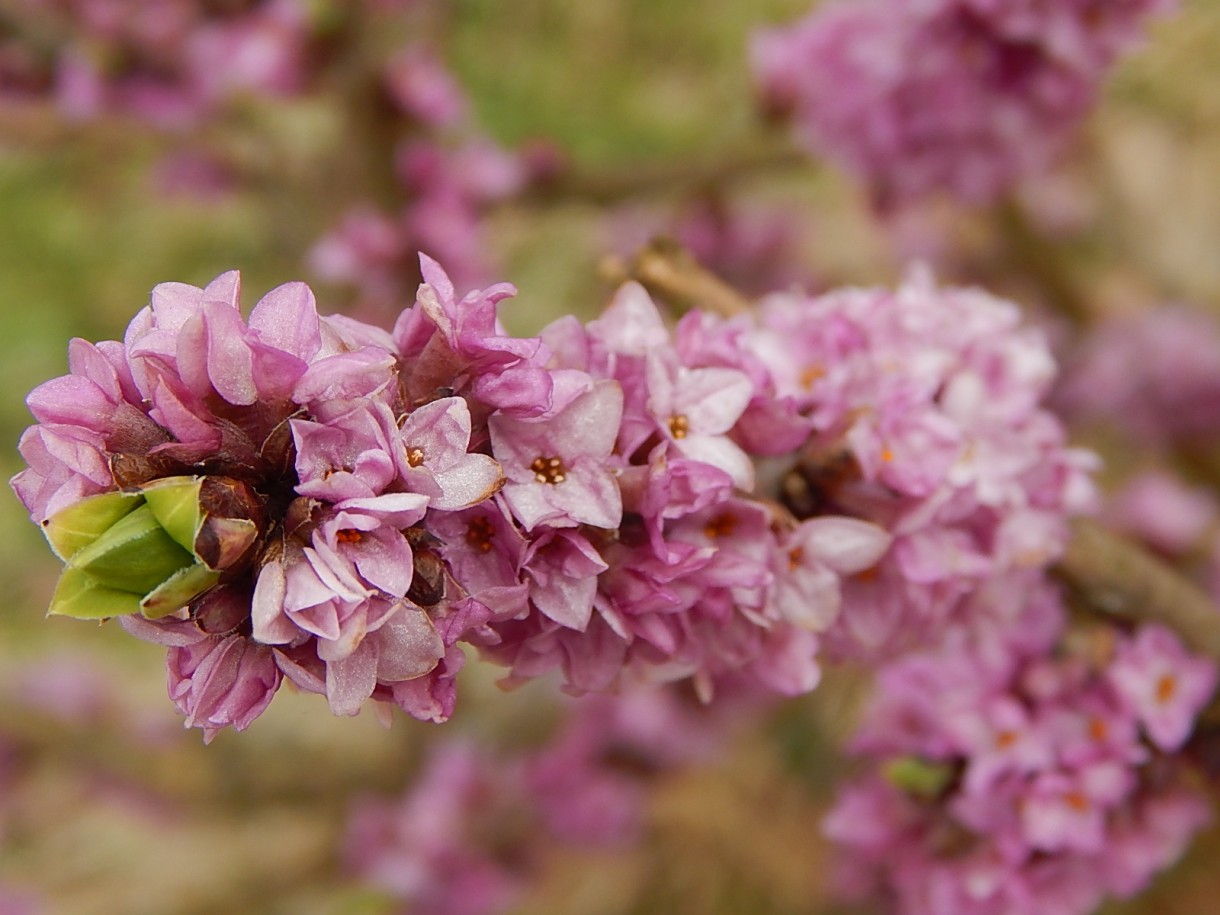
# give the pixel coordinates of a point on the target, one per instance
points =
(1010, 779)
(963, 96)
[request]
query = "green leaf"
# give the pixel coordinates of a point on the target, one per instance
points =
(81, 597)
(71, 530)
(178, 590)
(918, 776)
(175, 504)
(135, 554)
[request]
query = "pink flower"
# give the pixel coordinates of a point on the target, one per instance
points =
(557, 468)
(220, 681)
(1163, 684)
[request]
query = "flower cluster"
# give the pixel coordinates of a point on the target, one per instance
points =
(1018, 781)
(927, 418)
(320, 499)
(656, 554)
(168, 62)
(965, 96)
(247, 493)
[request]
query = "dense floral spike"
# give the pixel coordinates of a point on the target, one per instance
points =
(320, 499)
(965, 96)
(1020, 781)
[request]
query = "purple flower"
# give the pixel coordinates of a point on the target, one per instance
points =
(222, 680)
(433, 457)
(557, 468)
(1162, 684)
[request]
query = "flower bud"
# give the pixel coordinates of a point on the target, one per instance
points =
(919, 777)
(151, 550)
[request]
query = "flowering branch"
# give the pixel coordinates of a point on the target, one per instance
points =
(1116, 577)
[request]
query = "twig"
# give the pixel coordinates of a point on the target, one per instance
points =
(668, 270)
(1118, 578)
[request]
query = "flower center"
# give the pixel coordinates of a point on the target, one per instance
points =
(1098, 729)
(349, 535)
(811, 374)
(1166, 686)
(1077, 801)
(795, 557)
(549, 470)
(679, 425)
(479, 534)
(415, 456)
(1005, 739)
(722, 525)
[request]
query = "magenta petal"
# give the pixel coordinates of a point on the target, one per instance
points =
(230, 361)
(436, 277)
(846, 545)
(271, 625)
(225, 289)
(173, 304)
(287, 318)
(345, 375)
(182, 422)
(73, 400)
(401, 509)
(384, 560)
(476, 478)
(409, 645)
(350, 681)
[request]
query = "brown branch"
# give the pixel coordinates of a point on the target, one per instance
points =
(1118, 578)
(668, 271)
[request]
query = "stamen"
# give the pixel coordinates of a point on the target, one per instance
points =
(415, 456)
(348, 535)
(795, 557)
(479, 534)
(1166, 686)
(679, 425)
(721, 526)
(811, 374)
(549, 470)
(1098, 730)
(1077, 801)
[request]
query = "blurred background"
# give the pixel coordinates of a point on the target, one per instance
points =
(590, 127)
